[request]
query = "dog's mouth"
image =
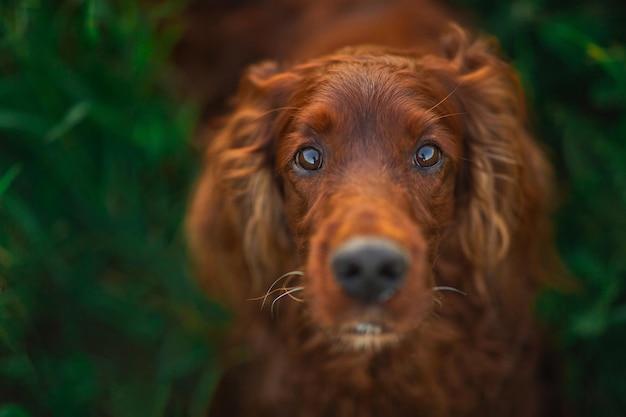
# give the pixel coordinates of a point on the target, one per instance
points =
(367, 335)
(366, 329)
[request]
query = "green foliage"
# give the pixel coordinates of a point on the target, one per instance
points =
(98, 314)
(572, 58)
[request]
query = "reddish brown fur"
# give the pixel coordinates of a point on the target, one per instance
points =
(477, 223)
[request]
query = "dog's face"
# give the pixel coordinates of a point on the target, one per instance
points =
(383, 175)
(367, 158)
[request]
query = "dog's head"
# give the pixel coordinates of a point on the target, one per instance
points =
(383, 176)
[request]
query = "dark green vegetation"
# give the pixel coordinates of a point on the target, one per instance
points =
(98, 313)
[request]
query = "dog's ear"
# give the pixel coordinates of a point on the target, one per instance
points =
(503, 185)
(235, 224)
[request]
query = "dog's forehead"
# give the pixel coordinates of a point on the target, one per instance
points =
(358, 84)
(365, 95)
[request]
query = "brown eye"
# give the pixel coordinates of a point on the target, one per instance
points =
(309, 158)
(427, 156)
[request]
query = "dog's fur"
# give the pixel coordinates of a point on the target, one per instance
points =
(457, 337)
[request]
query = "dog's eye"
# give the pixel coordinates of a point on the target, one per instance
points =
(427, 156)
(309, 158)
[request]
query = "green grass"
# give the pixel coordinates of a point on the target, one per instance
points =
(99, 314)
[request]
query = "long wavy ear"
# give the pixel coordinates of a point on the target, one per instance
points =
(504, 184)
(235, 223)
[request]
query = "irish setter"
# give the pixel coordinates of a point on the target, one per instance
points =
(376, 220)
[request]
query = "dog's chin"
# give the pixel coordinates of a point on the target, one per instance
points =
(366, 337)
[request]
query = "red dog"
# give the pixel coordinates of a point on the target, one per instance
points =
(389, 207)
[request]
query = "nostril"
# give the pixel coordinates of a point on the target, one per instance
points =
(392, 270)
(349, 270)
(369, 268)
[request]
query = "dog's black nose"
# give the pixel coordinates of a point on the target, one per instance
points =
(370, 269)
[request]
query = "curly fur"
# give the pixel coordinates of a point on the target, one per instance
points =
(478, 226)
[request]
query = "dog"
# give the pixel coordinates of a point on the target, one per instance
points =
(375, 213)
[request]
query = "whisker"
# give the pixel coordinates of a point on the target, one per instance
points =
(446, 97)
(295, 289)
(449, 115)
(263, 297)
(269, 290)
(296, 299)
(290, 278)
(452, 289)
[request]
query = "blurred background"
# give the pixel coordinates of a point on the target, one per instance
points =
(99, 314)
